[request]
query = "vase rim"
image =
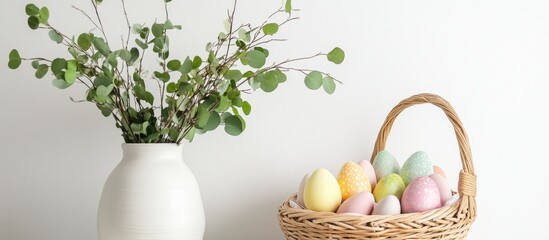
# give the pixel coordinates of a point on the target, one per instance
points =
(152, 146)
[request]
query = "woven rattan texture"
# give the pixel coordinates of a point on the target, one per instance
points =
(450, 222)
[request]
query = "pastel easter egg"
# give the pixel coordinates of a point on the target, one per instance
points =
(391, 184)
(360, 203)
(421, 195)
(443, 187)
(452, 200)
(384, 164)
(417, 165)
(301, 188)
(370, 172)
(389, 205)
(321, 192)
(352, 180)
(438, 170)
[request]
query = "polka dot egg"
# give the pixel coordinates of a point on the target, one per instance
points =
(417, 165)
(421, 195)
(352, 179)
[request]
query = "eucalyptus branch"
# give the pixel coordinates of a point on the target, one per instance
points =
(205, 90)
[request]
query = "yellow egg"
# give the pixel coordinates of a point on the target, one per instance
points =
(391, 184)
(321, 192)
(352, 180)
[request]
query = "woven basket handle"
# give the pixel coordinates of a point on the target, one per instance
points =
(467, 179)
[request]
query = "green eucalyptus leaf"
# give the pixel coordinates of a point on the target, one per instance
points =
(280, 76)
(35, 64)
(124, 55)
(190, 135)
(270, 82)
(57, 65)
(234, 125)
(288, 6)
(263, 50)
(255, 82)
(144, 33)
(101, 46)
(233, 75)
(244, 35)
(41, 71)
(227, 25)
(134, 52)
(186, 67)
(141, 44)
(54, 36)
(202, 116)
(248, 74)
(270, 28)
(61, 84)
(337, 55)
(84, 41)
(246, 108)
(313, 80)
(172, 87)
(32, 10)
(104, 91)
(168, 24)
(136, 28)
(33, 22)
(164, 77)
(328, 84)
(71, 74)
(105, 111)
(139, 128)
(213, 122)
(174, 65)
(157, 29)
(255, 58)
(237, 102)
(240, 44)
(143, 94)
(184, 88)
(223, 104)
(197, 61)
(15, 59)
(44, 15)
(112, 60)
(101, 81)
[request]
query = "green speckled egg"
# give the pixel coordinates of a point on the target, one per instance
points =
(417, 165)
(384, 164)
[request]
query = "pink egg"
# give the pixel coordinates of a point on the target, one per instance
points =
(438, 170)
(421, 195)
(360, 203)
(370, 172)
(443, 187)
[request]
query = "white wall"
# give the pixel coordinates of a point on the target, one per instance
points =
(489, 58)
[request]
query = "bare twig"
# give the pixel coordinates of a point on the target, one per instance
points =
(101, 28)
(231, 23)
(127, 22)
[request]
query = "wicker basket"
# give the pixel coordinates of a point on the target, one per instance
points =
(450, 222)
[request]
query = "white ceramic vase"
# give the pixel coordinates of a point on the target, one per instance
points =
(151, 195)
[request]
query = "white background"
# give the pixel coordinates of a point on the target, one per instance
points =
(490, 59)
